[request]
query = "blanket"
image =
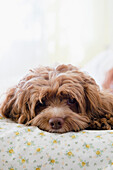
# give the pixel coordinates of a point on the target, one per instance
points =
(29, 148)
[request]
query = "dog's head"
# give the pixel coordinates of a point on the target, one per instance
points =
(56, 100)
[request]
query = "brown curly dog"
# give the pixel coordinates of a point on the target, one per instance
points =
(60, 100)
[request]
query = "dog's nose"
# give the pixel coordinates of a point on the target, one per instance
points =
(56, 123)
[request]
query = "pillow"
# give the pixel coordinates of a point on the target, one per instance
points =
(99, 65)
(29, 148)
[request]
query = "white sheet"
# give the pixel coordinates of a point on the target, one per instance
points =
(98, 67)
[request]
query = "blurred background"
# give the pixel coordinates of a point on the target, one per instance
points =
(50, 32)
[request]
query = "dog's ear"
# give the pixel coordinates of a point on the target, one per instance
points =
(16, 105)
(20, 101)
(7, 105)
(91, 97)
(97, 103)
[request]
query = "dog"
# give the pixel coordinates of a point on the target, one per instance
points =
(59, 100)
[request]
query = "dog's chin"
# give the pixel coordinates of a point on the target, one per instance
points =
(57, 131)
(60, 131)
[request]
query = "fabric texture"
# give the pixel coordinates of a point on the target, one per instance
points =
(29, 148)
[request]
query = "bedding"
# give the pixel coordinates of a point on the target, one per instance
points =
(29, 148)
(99, 66)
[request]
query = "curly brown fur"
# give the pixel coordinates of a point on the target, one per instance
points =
(60, 99)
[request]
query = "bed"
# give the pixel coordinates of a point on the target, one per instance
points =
(29, 148)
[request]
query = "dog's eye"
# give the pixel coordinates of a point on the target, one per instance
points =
(39, 106)
(42, 104)
(73, 104)
(71, 101)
